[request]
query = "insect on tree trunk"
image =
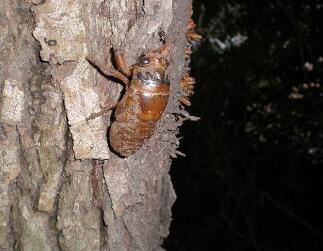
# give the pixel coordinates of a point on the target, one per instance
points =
(61, 185)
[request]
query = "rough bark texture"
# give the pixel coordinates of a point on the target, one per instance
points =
(61, 188)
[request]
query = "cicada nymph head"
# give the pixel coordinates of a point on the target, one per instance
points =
(155, 57)
(151, 67)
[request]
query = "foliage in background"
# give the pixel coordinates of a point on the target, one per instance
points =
(253, 175)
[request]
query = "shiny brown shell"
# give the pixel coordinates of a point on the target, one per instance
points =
(142, 105)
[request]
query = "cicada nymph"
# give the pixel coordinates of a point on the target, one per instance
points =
(144, 100)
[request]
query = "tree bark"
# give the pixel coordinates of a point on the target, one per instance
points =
(61, 188)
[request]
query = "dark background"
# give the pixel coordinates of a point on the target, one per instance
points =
(253, 175)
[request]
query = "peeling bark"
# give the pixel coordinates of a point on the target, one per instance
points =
(61, 187)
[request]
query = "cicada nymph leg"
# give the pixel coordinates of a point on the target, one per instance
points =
(122, 65)
(187, 84)
(123, 74)
(118, 75)
(104, 110)
(108, 71)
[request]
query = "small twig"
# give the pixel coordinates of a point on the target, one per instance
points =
(180, 153)
(291, 214)
(245, 238)
(187, 115)
(252, 232)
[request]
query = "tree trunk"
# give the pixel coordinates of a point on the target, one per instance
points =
(61, 188)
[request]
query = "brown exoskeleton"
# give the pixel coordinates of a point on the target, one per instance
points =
(145, 98)
(191, 34)
(187, 83)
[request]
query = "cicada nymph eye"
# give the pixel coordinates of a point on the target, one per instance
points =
(143, 60)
